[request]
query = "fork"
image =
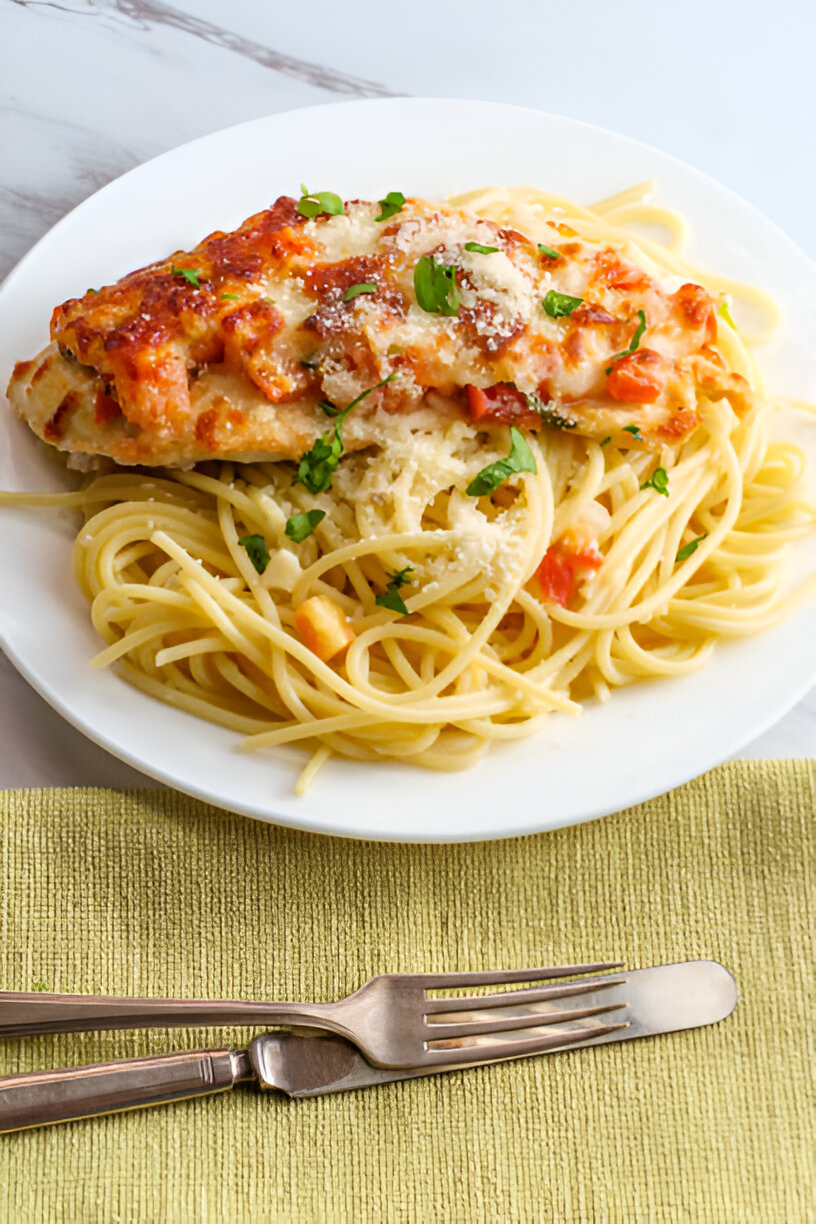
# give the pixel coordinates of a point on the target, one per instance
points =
(392, 1018)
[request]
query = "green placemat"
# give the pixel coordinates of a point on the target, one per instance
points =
(152, 893)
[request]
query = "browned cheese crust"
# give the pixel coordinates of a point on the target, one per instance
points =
(227, 351)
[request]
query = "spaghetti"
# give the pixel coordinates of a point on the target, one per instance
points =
(461, 634)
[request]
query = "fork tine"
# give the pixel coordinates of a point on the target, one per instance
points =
(494, 1050)
(480, 1028)
(496, 977)
(527, 994)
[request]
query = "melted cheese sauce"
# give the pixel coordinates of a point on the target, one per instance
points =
(232, 359)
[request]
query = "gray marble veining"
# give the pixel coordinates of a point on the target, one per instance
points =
(147, 15)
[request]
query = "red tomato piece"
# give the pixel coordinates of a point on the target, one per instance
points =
(636, 378)
(696, 308)
(562, 568)
(106, 407)
(501, 404)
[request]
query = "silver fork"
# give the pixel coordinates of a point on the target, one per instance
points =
(392, 1018)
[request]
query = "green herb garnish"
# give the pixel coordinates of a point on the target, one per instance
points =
(313, 203)
(606, 440)
(317, 466)
(435, 286)
(188, 274)
(392, 203)
(87, 291)
(299, 526)
(724, 312)
(659, 481)
(549, 413)
(257, 551)
(391, 597)
(545, 250)
(559, 304)
(634, 430)
(229, 297)
(633, 343)
(479, 249)
(520, 459)
(685, 552)
(364, 287)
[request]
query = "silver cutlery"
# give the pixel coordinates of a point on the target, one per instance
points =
(662, 999)
(391, 1018)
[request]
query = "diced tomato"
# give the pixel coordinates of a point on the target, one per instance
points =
(106, 408)
(696, 308)
(636, 378)
(501, 404)
(561, 570)
(618, 273)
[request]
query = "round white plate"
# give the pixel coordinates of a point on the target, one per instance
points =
(648, 738)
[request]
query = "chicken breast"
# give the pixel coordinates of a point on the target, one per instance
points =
(239, 348)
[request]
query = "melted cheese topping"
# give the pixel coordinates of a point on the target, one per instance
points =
(232, 359)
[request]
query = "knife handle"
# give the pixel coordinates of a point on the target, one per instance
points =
(39, 1098)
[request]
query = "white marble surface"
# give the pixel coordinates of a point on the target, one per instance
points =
(91, 88)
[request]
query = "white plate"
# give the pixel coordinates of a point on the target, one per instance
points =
(649, 738)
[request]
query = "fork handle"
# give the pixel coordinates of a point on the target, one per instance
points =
(39, 1098)
(23, 1013)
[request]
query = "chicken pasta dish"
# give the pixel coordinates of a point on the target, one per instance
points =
(401, 478)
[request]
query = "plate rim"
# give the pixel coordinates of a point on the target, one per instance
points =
(544, 822)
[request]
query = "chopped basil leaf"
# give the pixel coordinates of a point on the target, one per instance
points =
(435, 286)
(400, 577)
(87, 291)
(559, 304)
(549, 413)
(391, 597)
(317, 465)
(313, 203)
(364, 287)
(257, 551)
(392, 203)
(299, 526)
(545, 250)
(633, 343)
(229, 297)
(634, 430)
(685, 552)
(189, 275)
(724, 311)
(606, 440)
(520, 459)
(479, 249)
(659, 481)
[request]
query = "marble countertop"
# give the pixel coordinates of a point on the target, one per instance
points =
(91, 88)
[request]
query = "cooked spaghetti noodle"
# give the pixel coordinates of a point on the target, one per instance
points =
(483, 654)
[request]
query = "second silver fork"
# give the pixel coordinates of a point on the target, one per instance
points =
(392, 1018)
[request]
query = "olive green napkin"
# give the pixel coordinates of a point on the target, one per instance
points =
(153, 893)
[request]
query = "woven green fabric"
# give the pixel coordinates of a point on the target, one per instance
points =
(153, 893)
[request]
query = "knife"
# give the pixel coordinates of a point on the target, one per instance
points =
(661, 999)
